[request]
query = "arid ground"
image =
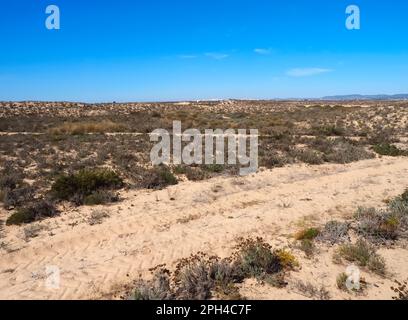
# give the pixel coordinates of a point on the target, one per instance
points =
(78, 193)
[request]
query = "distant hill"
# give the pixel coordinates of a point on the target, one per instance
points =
(368, 97)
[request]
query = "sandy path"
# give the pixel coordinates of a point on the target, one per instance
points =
(151, 228)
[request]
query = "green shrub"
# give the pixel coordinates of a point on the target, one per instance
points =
(307, 246)
(329, 131)
(196, 174)
(309, 156)
(159, 178)
(76, 187)
(215, 168)
(257, 260)
(341, 281)
(404, 196)
(364, 255)
(34, 212)
(307, 234)
(101, 197)
(386, 149)
(377, 225)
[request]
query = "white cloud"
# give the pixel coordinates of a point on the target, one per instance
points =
(306, 72)
(187, 56)
(263, 51)
(217, 56)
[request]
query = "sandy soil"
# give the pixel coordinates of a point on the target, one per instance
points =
(150, 228)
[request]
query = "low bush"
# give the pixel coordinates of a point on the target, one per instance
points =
(201, 277)
(307, 246)
(101, 197)
(344, 152)
(159, 178)
(97, 217)
(378, 225)
(257, 259)
(76, 187)
(334, 232)
(37, 211)
(13, 198)
(309, 156)
(307, 234)
(386, 149)
(364, 255)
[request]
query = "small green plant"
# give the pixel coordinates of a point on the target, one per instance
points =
(307, 246)
(364, 255)
(307, 234)
(34, 212)
(341, 281)
(386, 149)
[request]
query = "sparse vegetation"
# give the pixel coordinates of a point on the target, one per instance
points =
(381, 225)
(310, 291)
(97, 217)
(39, 210)
(202, 277)
(307, 246)
(78, 128)
(364, 255)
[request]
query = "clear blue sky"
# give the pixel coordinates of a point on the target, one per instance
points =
(142, 50)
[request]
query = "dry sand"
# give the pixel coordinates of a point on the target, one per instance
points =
(154, 227)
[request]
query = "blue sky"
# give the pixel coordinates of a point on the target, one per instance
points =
(149, 50)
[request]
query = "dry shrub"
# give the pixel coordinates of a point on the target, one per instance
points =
(310, 291)
(334, 232)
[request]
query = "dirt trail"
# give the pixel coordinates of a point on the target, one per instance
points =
(151, 228)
